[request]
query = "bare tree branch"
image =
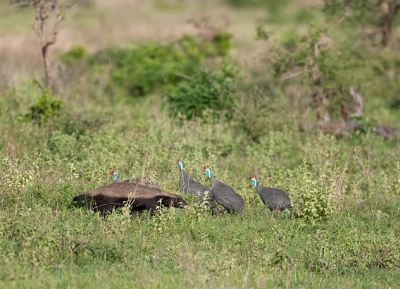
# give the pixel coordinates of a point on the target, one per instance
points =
(291, 75)
(323, 40)
(341, 19)
(183, 76)
(358, 100)
(43, 9)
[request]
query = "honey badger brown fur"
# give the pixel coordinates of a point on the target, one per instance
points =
(138, 197)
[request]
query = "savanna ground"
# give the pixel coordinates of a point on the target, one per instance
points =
(115, 104)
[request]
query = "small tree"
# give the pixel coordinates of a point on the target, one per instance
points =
(380, 14)
(47, 31)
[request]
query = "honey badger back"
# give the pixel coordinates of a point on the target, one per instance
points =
(139, 198)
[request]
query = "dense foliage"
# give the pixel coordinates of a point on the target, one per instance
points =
(149, 67)
(44, 108)
(206, 91)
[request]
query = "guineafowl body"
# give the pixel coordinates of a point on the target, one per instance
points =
(224, 194)
(190, 186)
(138, 197)
(275, 199)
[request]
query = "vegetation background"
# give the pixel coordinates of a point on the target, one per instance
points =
(246, 87)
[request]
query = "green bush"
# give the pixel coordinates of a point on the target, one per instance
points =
(255, 112)
(313, 202)
(150, 66)
(46, 106)
(75, 53)
(305, 15)
(205, 94)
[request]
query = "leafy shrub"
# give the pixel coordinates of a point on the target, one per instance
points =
(162, 218)
(313, 203)
(363, 11)
(255, 111)
(207, 93)
(45, 107)
(305, 15)
(323, 66)
(78, 124)
(317, 197)
(139, 71)
(75, 53)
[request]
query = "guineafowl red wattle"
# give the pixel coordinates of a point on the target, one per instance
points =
(138, 197)
(275, 199)
(190, 186)
(224, 194)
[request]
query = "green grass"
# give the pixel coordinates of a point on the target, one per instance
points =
(343, 231)
(46, 241)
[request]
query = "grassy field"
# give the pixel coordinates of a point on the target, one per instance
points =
(343, 230)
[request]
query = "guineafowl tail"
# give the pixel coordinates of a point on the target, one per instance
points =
(80, 198)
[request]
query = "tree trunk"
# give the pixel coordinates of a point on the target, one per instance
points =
(389, 13)
(46, 64)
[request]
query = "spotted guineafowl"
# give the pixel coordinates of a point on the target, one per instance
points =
(144, 181)
(138, 197)
(190, 186)
(224, 194)
(274, 199)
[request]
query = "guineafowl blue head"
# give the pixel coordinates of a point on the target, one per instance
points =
(207, 171)
(180, 164)
(254, 181)
(115, 175)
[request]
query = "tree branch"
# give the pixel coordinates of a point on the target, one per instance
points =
(58, 20)
(340, 20)
(43, 9)
(290, 75)
(358, 100)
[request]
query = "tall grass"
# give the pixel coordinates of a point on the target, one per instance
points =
(46, 241)
(343, 230)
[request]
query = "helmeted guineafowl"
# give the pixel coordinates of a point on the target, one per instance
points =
(190, 186)
(114, 174)
(138, 197)
(144, 181)
(273, 198)
(224, 194)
